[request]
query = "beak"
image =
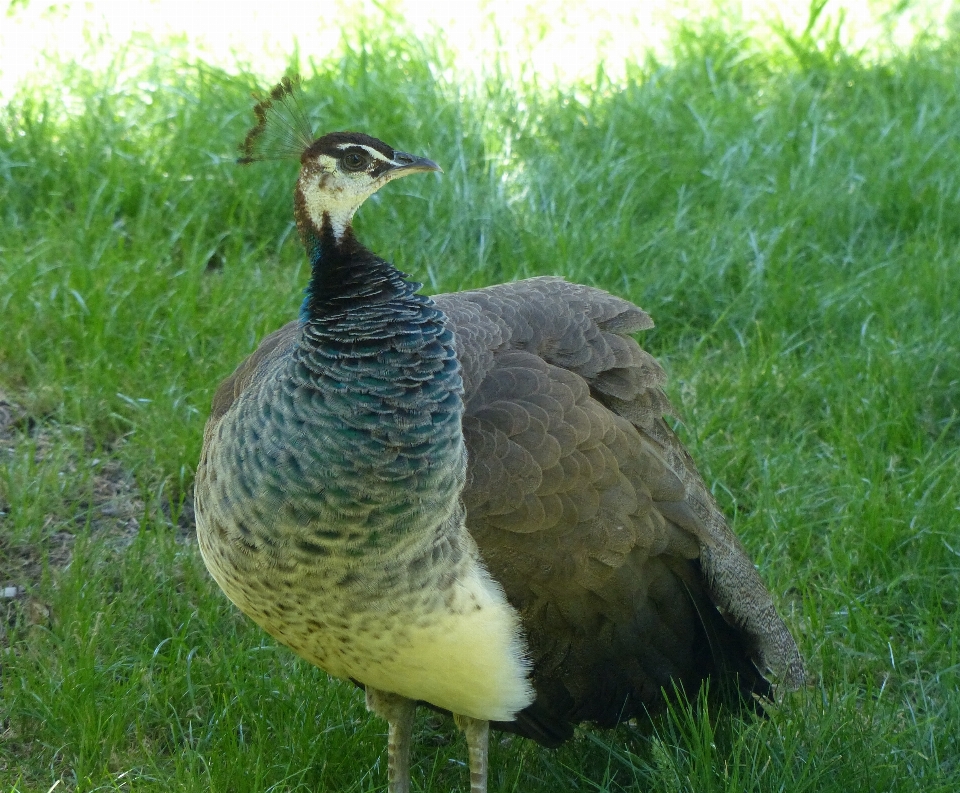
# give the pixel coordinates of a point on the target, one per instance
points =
(404, 164)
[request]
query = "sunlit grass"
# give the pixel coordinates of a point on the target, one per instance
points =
(546, 40)
(787, 211)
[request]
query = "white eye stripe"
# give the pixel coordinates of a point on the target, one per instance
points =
(371, 151)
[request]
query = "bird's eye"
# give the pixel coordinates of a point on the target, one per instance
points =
(353, 161)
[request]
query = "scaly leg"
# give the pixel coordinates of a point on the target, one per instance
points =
(398, 711)
(478, 741)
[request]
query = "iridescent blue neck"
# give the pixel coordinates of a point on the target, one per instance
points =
(345, 275)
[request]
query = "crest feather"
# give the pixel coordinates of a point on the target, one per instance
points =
(282, 131)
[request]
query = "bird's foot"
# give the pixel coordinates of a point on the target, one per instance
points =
(478, 741)
(399, 712)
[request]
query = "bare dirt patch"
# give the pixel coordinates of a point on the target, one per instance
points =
(108, 502)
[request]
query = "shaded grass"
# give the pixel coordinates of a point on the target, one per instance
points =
(790, 215)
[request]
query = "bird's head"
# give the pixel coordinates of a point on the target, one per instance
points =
(338, 171)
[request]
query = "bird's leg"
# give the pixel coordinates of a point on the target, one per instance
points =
(478, 741)
(398, 711)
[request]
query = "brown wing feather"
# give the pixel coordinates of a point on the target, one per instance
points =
(590, 513)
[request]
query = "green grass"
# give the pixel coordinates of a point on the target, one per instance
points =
(788, 212)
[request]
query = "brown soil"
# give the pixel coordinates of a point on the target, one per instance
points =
(113, 507)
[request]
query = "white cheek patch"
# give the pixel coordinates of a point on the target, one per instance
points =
(334, 201)
(326, 190)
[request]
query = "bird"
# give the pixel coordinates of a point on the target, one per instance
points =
(472, 501)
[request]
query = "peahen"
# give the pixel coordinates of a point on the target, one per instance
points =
(473, 500)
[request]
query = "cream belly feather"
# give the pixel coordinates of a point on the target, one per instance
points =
(464, 653)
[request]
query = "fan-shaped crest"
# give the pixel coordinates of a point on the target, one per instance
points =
(283, 130)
